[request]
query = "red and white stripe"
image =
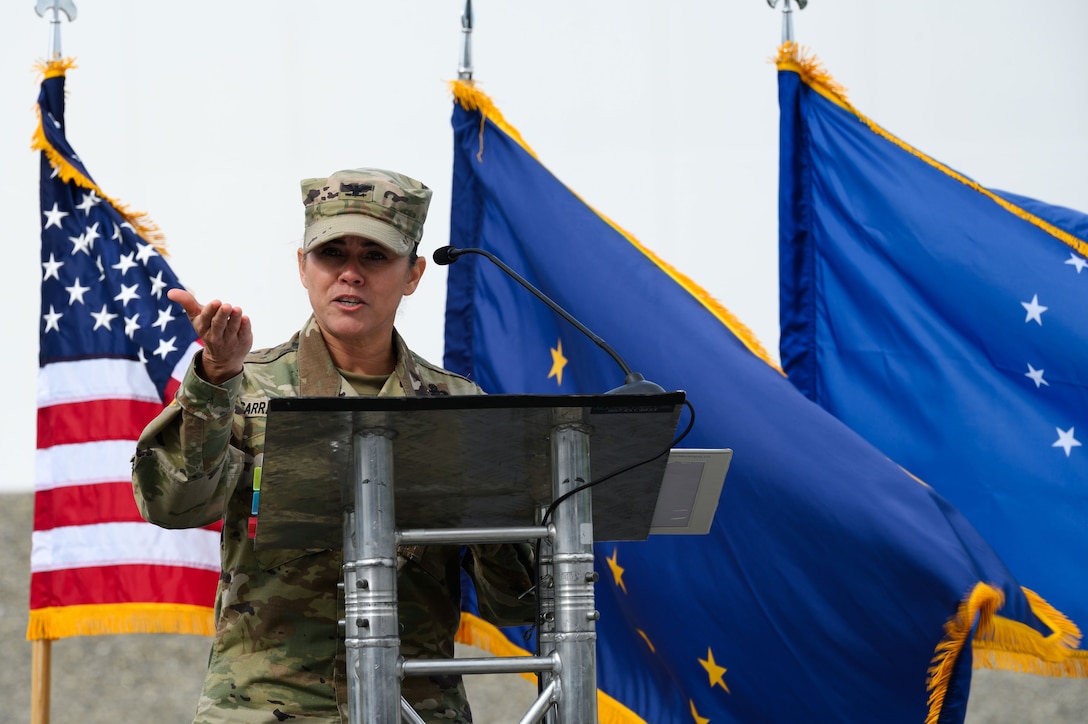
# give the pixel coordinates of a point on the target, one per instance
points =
(90, 545)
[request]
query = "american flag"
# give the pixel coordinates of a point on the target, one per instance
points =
(113, 349)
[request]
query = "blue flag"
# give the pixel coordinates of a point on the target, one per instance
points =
(832, 586)
(943, 321)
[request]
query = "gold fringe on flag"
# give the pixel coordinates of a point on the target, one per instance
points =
(120, 618)
(793, 58)
(473, 99)
(1001, 643)
(140, 221)
(474, 631)
(998, 643)
(980, 603)
(1012, 646)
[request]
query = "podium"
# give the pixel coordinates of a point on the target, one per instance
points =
(370, 473)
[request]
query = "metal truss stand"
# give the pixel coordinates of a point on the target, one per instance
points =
(478, 466)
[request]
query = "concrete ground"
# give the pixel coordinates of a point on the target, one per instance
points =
(156, 678)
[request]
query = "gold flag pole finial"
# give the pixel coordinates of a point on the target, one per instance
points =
(787, 17)
(68, 7)
(464, 69)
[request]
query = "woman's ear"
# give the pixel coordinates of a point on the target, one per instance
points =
(302, 268)
(415, 272)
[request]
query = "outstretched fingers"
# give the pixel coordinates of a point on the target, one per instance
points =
(224, 329)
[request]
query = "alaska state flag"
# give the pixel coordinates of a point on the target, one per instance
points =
(833, 586)
(945, 323)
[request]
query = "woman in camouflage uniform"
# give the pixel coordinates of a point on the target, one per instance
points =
(278, 653)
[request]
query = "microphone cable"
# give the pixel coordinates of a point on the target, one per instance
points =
(555, 503)
(585, 486)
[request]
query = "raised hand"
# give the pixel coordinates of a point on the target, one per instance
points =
(225, 331)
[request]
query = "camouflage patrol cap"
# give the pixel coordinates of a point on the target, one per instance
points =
(385, 206)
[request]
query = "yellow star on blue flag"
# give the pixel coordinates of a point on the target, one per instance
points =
(558, 363)
(865, 558)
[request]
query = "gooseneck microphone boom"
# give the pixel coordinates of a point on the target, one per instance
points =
(633, 382)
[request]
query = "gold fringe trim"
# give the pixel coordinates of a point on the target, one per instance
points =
(793, 58)
(474, 631)
(610, 711)
(473, 99)
(1001, 643)
(1012, 646)
(982, 602)
(54, 68)
(120, 618)
(800, 60)
(140, 220)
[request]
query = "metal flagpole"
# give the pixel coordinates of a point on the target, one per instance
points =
(787, 17)
(68, 7)
(42, 649)
(464, 68)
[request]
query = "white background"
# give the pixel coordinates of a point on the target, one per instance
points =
(661, 115)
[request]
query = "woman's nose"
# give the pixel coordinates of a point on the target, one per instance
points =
(351, 272)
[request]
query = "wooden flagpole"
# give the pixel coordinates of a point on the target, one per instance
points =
(40, 683)
(42, 649)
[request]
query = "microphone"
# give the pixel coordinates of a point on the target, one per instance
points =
(446, 255)
(633, 382)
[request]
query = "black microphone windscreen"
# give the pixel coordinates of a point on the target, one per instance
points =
(445, 255)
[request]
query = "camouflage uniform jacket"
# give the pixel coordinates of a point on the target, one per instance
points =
(278, 653)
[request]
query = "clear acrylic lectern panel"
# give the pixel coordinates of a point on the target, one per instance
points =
(366, 473)
(461, 462)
